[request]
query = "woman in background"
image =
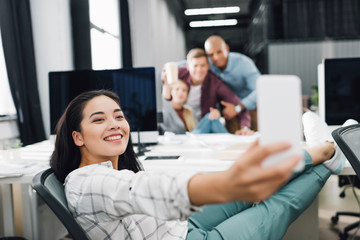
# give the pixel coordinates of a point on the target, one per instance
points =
(179, 118)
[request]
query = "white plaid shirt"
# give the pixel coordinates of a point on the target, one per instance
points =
(112, 204)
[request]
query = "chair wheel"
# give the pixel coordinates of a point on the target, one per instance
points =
(342, 194)
(335, 220)
(343, 236)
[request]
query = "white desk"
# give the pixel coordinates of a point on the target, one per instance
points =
(205, 153)
(36, 157)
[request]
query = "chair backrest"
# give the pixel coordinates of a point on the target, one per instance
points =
(52, 192)
(348, 139)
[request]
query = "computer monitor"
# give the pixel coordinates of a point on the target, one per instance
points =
(135, 87)
(339, 90)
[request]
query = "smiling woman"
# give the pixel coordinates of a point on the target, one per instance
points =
(93, 129)
(104, 132)
(111, 197)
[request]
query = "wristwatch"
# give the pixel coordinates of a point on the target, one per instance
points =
(238, 108)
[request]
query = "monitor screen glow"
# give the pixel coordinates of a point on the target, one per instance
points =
(135, 87)
(339, 90)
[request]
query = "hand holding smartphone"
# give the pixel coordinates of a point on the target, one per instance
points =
(279, 109)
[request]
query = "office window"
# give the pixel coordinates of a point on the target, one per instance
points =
(105, 34)
(7, 106)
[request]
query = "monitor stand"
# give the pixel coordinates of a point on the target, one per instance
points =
(141, 146)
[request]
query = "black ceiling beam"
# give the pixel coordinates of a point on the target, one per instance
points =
(177, 8)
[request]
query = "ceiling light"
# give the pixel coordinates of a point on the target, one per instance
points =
(206, 11)
(213, 23)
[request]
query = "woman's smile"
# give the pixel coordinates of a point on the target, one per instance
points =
(114, 137)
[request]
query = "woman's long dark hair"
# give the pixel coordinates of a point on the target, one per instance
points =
(66, 156)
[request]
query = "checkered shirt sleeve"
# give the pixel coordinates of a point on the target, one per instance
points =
(112, 204)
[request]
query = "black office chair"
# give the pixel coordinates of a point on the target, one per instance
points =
(348, 140)
(52, 192)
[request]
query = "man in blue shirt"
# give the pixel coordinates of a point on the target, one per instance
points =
(236, 70)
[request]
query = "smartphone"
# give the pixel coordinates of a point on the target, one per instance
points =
(162, 157)
(279, 109)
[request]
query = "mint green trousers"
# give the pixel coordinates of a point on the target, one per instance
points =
(266, 220)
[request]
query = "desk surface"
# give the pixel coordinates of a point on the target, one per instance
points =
(203, 153)
(27, 160)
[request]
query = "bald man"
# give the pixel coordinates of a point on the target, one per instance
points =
(235, 69)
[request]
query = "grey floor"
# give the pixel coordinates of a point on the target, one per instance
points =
(329, 203)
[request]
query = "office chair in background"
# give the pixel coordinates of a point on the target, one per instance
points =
(52, 192)
(348, 140)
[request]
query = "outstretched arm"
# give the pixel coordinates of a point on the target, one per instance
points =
(166, 89)
(229, 109)
(246, 180)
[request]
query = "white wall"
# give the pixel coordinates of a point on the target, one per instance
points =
(52, 35)
(9, 130)
(156, 37)
(302, 58)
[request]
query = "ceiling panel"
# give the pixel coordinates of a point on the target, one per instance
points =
(234, 35)
(243, 4)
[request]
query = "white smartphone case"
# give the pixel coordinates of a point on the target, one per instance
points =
(279, 111)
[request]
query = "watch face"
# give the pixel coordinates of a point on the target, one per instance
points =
(238, 108)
